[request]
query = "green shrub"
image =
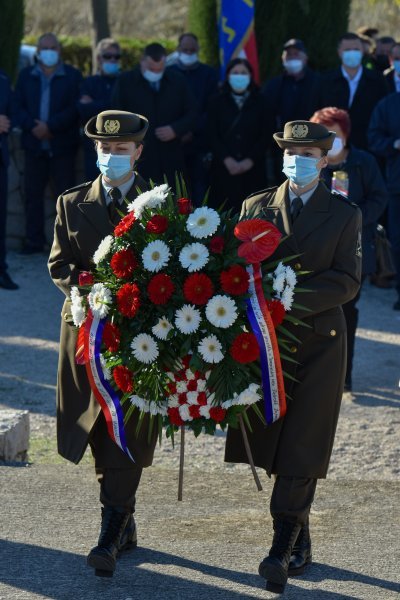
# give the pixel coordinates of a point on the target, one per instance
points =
(11, 31)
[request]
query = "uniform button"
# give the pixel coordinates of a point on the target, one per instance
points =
(293, 349)
(333, 332)
(297, 266)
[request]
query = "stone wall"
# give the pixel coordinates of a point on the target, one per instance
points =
(16, 197)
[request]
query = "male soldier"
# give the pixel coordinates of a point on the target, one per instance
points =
(324, 231)
(85, 215)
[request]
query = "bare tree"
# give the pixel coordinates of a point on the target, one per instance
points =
(98, 18)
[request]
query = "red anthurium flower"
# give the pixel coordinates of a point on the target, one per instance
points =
(123, 263)
(260, 239)
(245, 348)
(128, 299)
(124, 225)
(157, 224)
(160, 288)
(85, 278)
(277, 311)
(111, 337)
(235, 280)
(123, 377)
(198, 288)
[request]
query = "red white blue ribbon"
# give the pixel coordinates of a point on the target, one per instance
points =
(263, 328)
(102, 390)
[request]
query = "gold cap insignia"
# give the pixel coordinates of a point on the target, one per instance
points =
(299, 131)
(111, 126)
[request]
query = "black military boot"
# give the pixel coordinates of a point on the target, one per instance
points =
(116, 535)
(301, 553)
(274, 567)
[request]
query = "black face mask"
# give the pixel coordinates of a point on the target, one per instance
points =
(382, 62)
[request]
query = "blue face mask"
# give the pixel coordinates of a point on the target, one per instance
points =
(396, 66)
(239, 81)
(111, 68)
(151, 76)
(48, 57)
(352, 58)
(114, 166)
(302, 170)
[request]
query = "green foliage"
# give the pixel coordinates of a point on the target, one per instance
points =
(77, 51)
(318, 24)
(202, 21)
(11, 31)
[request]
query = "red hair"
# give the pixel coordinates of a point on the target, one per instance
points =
(333, 116)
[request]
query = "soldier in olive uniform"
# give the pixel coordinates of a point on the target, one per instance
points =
(324, 231)
(85, 215)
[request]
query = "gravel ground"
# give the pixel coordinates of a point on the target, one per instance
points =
(367, 442)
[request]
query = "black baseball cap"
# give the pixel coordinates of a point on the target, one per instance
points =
(295, 43)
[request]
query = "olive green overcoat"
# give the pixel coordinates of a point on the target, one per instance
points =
(82, 221)
(326, 236)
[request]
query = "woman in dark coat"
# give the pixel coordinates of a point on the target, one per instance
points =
(236, 136)
(367, 189)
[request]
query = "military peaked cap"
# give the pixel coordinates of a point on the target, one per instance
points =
(305, 133)
(117, 125)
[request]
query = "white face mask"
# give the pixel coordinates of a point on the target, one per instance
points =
(152, 77)
(293, 66)
(337, 147)
(188, 59)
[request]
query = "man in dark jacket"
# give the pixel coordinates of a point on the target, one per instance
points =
(5, 125)
(290, 96)
(96, 94)
(165, 99)
(203, 82)
(324, 231)
(46, 97)
(353, 88)
(392, 75)
(384, 140)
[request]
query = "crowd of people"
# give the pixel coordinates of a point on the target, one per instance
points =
(217, 134)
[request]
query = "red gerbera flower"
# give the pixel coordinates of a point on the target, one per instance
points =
(174, 416)
(160, 288)
(194, 411)
(123, 377)
(217, 413)
(198, 288)
(123, 263)
(111, 337)
(128, 299)
(217, 244)
(157, 224)
(125, 224)
(277, 311)
(235, 280)
(245, 348)
(184, 206)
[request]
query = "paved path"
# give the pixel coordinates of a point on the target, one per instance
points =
(208, 546)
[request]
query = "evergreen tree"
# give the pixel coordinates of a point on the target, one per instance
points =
(203, 22)
(11, 32)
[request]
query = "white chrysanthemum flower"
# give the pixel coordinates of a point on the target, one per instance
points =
(99, 300)
(201, 385)
(279, 269)
(203, 222)
(150, 199)
(155, 256)
(205, 411)
(192, 397)
(162, 328)
(187, 319)
(279, 282)
(221, 311)
(181, 387)
(173, 401)
(104, 368)
(194, 257)
(139, 402)
(103, 249)
(291, 278)
(228, 403)
(184, 413)
(250, 395)
(189, 375)
(287, 298)
(78, 310)
(145, 348)
(210, 349)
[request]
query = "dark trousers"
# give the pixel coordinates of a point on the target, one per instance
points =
(351, 315)
(292, 498)
(40, 169)
(117, 475)
(393, 221)
(3, 216)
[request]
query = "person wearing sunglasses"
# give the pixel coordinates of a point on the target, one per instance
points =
(96, 93)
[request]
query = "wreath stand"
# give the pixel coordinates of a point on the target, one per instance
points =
(248, 452)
